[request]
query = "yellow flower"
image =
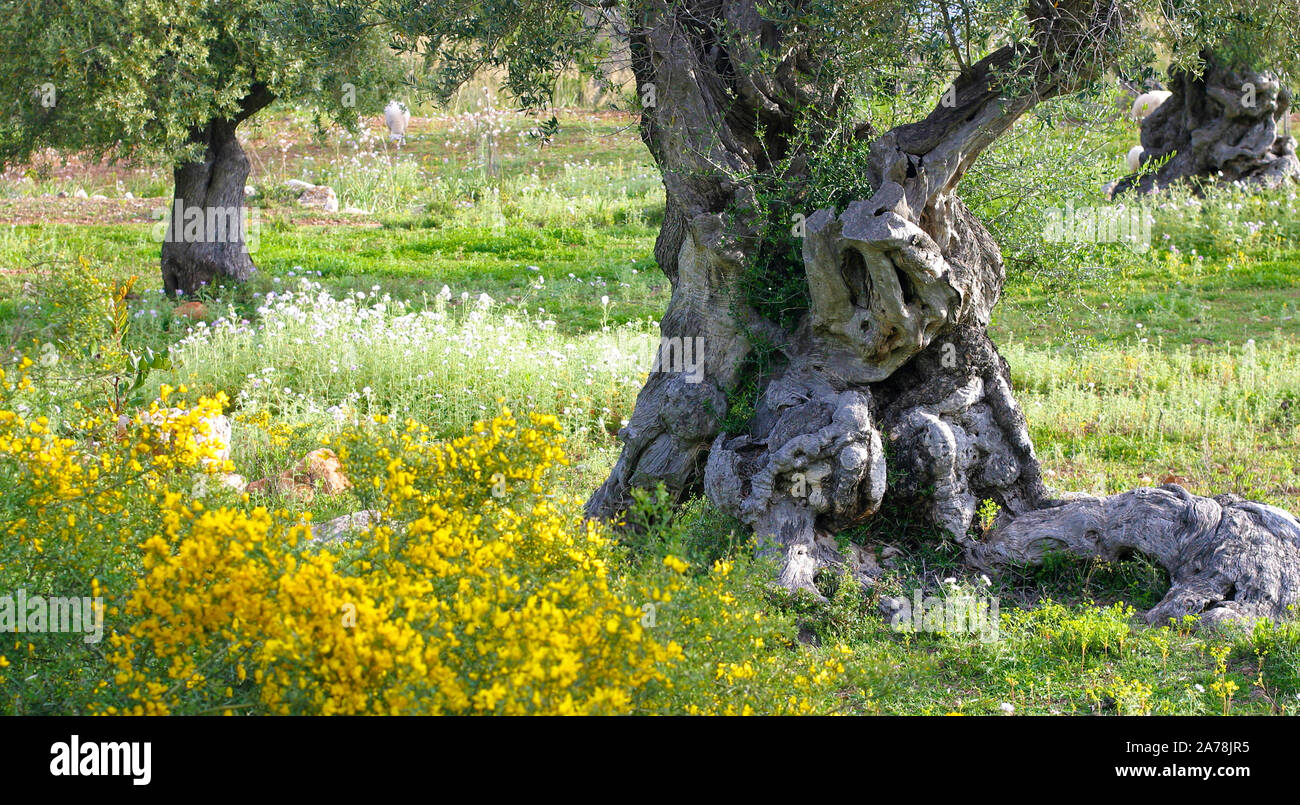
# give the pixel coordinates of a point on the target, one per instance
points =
(676, 564)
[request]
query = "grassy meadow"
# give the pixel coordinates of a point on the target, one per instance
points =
(467, 278)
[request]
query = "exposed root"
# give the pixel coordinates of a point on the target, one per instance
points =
(1227, 558)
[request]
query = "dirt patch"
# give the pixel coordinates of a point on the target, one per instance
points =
(55, 210)
(80, 211)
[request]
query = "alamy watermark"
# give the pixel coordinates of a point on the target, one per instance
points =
(1131, 227)
(191, 224)
(77, 758)
(681, 355)
(38, 614)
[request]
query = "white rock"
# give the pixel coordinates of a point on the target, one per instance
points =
(218, 429)
(294, 184)
(342, 527)
(80, 193)
(203, 484)
(219, 436)
(321, 196)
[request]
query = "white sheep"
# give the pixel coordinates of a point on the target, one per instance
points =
(1134, 158)
(397, 116)
(1148, 102)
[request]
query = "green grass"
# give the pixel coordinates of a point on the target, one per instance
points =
(1221, 300)
(578, 267)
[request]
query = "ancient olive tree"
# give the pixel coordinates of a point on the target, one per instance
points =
(174, 79)
(817, 243)
(1226, 120)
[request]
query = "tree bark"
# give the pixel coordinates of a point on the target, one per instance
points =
(888, 389)
(1227, 558)
(206, 237)
(1218, 127)
(701, 124)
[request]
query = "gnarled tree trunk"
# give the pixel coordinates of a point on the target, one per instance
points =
(1221, 126)
(206, 237)
(891, 364)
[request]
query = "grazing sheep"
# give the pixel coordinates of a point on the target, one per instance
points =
(397, 116)
(1148, 102)
(1134, 158)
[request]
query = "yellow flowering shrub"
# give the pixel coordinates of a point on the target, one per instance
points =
(476, 594)
(70, 490)
(76, 498)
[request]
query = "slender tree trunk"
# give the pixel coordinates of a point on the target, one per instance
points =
(1218, 127)
(888, 389)
(206, 238)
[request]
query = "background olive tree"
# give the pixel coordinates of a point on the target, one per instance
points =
(1229, 71)
(175, 79)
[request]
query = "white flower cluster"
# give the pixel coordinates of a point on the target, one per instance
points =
(314, 355)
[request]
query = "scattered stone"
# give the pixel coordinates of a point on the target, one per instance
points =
(230, 480)
(99, 197)
(347, 525)
(312, 195)
(63, 194)
(318, 471)
(889, 556)
(324, 466)
(195, 311)
(128, 195)
(249, 190)
(80, 193)
(320, 196)
(892, 605)
(219, 435)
